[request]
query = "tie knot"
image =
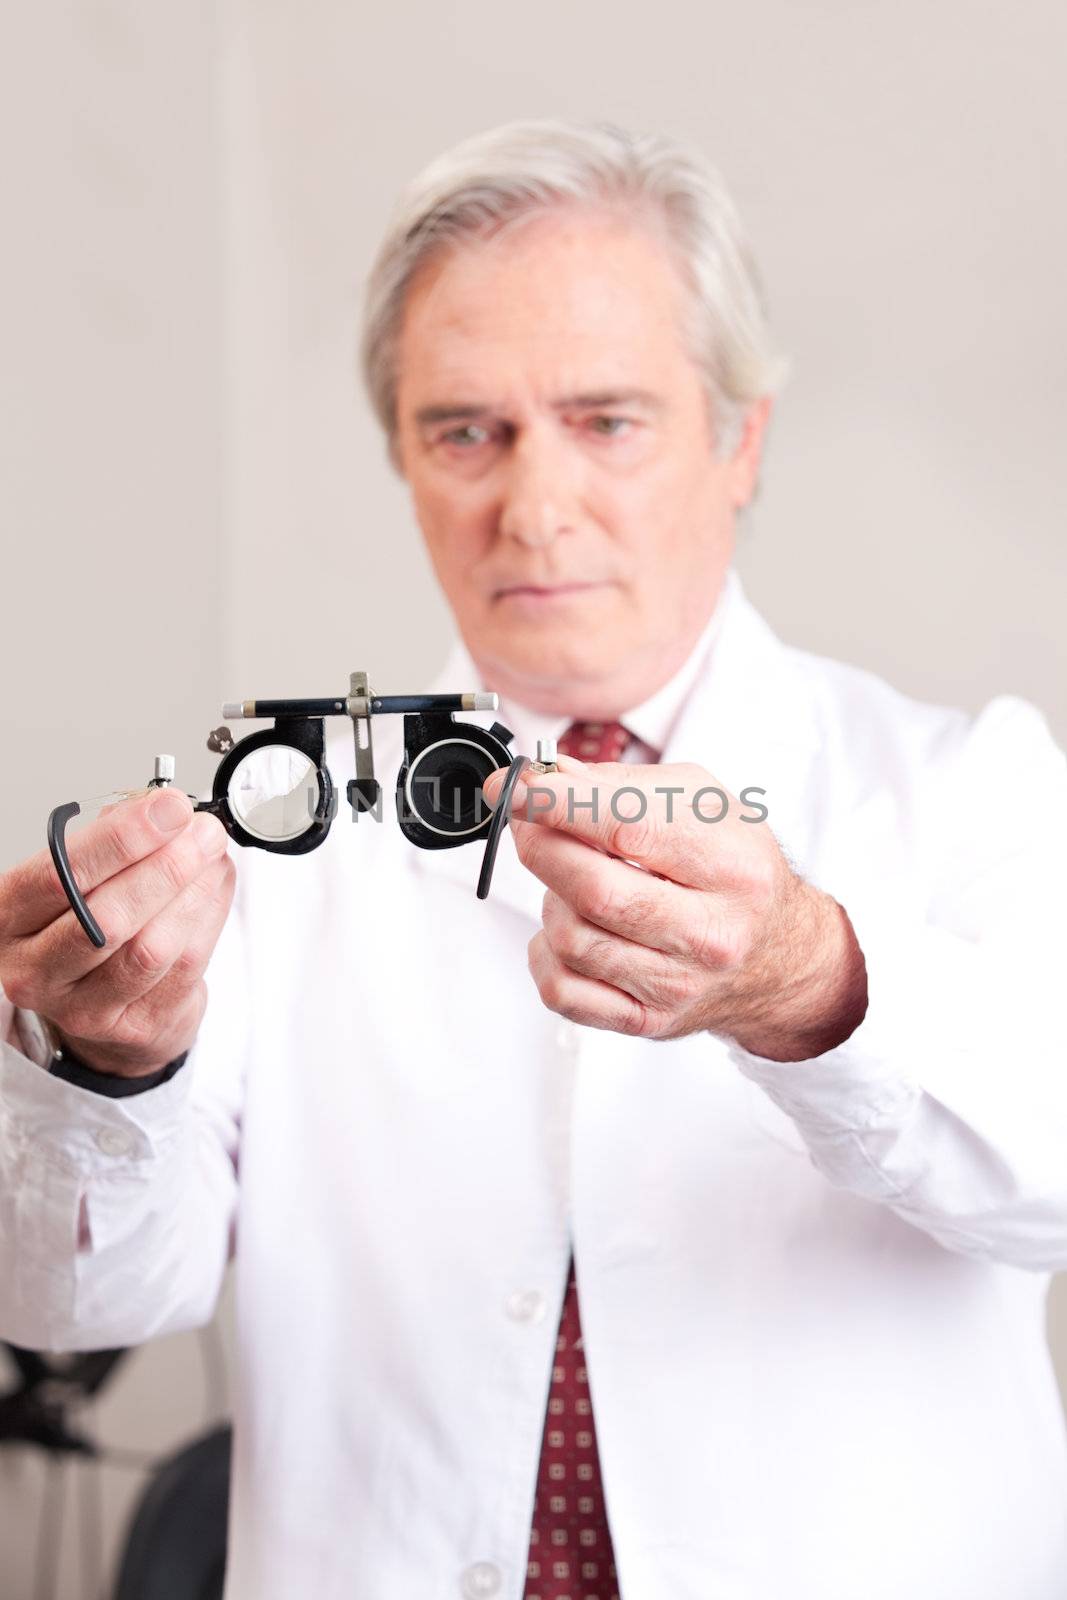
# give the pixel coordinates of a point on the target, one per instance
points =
(594, 741)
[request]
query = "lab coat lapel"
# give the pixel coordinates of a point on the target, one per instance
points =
(750, 719)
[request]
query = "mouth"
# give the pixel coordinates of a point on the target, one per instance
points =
(543, 592)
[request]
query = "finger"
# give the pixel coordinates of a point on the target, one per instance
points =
(584, 1000)
(172, 1009)
(664, 983)
(656, 816)
(120, 837)
(124, 904)
(174, 947)
(613, 894)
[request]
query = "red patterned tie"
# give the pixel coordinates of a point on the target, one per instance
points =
(571, 1557)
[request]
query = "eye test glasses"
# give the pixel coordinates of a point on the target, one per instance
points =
(273, 790)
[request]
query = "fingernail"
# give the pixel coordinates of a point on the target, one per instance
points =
(169, 811)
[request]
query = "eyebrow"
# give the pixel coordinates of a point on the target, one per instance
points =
(587, 400)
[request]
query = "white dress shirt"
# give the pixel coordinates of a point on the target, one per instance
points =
(812, 1293)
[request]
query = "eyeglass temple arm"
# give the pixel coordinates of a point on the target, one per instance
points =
(57, 844)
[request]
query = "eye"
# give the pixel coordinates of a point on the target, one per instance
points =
(466, 436)
(609, 427)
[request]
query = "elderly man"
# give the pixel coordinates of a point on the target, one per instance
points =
(676, 1224)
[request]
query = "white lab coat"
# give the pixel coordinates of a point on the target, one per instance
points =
(812, 1293)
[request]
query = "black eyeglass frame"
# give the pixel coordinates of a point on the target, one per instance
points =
(300, 725)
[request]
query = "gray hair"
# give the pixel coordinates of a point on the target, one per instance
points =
(511, 172)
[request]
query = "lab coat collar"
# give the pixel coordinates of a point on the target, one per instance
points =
(748, 718)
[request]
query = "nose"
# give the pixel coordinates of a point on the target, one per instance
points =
(539, 498)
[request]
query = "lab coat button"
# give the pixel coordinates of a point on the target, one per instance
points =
(113, 1142)
(481, 1580)
(525, 1305)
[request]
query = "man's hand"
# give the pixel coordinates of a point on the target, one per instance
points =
(159, 883)
(668, 925)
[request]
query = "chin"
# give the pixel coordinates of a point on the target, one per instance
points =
(548, 657)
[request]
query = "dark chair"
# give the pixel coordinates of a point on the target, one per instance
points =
(176, 1546)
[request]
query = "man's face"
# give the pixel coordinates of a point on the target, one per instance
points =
(557, 440)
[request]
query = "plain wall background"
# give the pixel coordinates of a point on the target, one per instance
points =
(197, 503)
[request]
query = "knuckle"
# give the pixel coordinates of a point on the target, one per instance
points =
(188, 965)
(136, 1027)
(568, 940)
(660, 1026)
(552, 990)
(594, 953)
(175, 867)
(19, 989)
(640, 1021)
(122, 834)
(149, 953)
(634, 837)
(598, 899)
(724, 946)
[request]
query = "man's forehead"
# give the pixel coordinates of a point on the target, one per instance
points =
(599, 289)
(552, 318)
(523, 359)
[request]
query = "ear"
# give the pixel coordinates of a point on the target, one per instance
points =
(745, 461)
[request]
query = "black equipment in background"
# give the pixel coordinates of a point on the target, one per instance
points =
(176, 1545)
(35, 1411)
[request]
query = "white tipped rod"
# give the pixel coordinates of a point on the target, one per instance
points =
(164, 769)
(546, 752)
(482, 701)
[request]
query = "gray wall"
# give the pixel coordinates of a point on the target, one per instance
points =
(191, 475)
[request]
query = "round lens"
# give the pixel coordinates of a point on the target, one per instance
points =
(444, 787)
(274, 793)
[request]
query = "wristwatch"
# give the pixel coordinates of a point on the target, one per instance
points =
(41, 1043)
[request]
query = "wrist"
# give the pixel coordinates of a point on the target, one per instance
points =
(108, 1062)
(821, 996)
(114, 1085)
(65, 1058)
